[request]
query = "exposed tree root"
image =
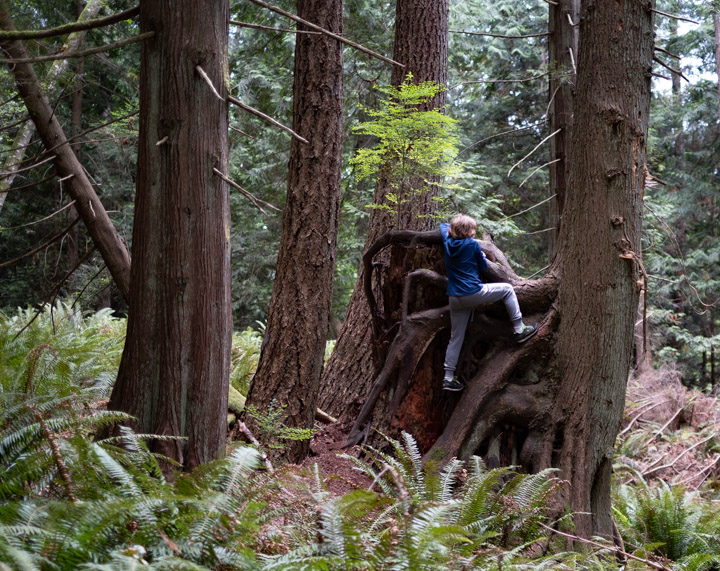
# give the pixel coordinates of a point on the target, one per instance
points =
(505, 405)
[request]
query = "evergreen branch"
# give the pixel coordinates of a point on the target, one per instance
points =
(69, 28)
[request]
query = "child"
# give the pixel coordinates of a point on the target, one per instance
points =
(464, 260)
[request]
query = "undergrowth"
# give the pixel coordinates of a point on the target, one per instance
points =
(69, 500)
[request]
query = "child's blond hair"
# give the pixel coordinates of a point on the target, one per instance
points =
(462, 226)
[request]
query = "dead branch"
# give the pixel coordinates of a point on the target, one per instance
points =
(527, 178)
(264, 117)
(672, 69)
(505, 36)
(51, 133)
(520, 80)
(48, 217)
(271, 29)
(82, 53)
(674, 460)
(636, 417)
(667, 53)
(534, 149)
(254, 199)
(69, 28)
(674, 16)
(44, 245)
(660, 430)
(327, 33)
(25, 169)
(607, 547)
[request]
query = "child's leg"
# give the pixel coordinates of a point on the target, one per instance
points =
(490, 293)
(458, 323)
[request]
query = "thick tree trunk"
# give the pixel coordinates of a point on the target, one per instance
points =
(563, 24)
(174, 371)
(67, 166)
(299, 317)
(557, 400)
(421, 44)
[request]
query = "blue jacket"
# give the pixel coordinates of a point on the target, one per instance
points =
(464, 260)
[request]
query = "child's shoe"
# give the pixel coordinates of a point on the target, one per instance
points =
(527, 332)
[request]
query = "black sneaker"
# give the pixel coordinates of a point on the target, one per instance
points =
(452, 385)
(527, 332)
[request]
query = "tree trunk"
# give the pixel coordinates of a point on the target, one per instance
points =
(716, 22)
(66, 164)
(557, 400)
(421, 44)
(563, 24)
(175, 366)
(299, 317)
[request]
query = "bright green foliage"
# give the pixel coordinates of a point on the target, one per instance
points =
(414, 149)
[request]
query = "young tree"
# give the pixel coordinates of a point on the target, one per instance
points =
(557, 400)
(174, 371)
(299, 315)
(423, 50)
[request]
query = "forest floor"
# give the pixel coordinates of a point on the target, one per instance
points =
(668, 433)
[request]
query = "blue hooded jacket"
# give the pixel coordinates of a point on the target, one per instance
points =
(464, 260)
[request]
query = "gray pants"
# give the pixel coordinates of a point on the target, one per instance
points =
(462, 307)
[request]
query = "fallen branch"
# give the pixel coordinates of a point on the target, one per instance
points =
(660, 430)
(672, 463)
(327, 33)
(636, 417)
(246, 431)
(608, 547)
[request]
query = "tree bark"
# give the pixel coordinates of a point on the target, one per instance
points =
(716, 23)
(421, 44)
(563, 25)
(67, 166)
(174, 371)
(299, 316)
(557, 400)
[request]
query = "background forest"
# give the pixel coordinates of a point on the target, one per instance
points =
(69, 501)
